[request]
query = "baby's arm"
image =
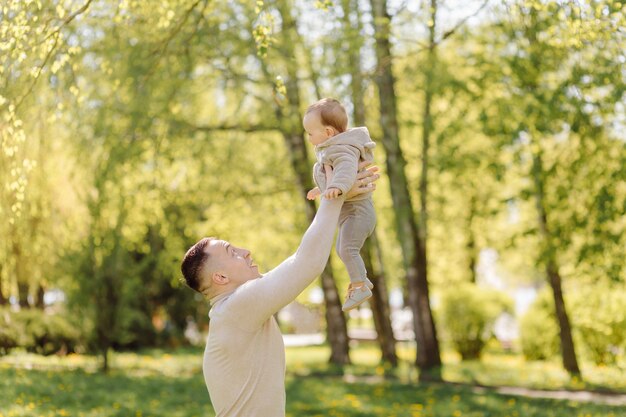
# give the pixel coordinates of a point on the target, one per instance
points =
(345, 162)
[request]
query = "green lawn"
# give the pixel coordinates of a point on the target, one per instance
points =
(157, 383)
(495, 369)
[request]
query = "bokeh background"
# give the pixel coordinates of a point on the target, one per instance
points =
(131, 129)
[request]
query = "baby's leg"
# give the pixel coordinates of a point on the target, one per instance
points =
(356, 223)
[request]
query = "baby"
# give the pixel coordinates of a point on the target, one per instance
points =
(338, 151)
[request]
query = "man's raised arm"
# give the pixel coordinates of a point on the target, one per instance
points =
(256, 300)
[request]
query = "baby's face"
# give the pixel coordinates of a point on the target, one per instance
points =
(316, 132)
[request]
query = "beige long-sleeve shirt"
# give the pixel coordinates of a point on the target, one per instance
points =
(244, 358)
(343, 152)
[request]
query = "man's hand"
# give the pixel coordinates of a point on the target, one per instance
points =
(331, 193)
(365, 180)
(313, 194)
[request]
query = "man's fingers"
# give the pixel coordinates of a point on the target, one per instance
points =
(367, 180)
(364, 164)
(367, 172)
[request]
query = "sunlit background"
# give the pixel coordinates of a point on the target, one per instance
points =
(131, 129)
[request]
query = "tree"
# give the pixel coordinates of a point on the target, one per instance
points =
(428, 358)
(543, 121)
(288, 112)
(371, 253)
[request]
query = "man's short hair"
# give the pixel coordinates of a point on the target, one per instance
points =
(193, 262)
(332, 113)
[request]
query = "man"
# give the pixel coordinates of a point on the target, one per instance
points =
(244, 359)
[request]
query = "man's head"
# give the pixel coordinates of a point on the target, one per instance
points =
(213, 267)
(324, 119)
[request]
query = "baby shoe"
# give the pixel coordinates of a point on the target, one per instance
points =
(356, 296)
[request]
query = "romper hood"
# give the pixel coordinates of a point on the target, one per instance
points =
(358, 137)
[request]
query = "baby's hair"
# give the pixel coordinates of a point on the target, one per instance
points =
(331, 112)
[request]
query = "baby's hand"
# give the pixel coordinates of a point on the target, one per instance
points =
(332, 193)
(313, 194)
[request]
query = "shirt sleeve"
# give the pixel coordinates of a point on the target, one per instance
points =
(257, 300)
(345, 163)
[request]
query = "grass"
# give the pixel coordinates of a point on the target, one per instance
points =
(158, 383)
(495, 369)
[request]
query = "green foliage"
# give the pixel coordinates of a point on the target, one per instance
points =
(539, 331)
(468, 313)
(600, 319)
(120, 146)
(38, 332)
(9, 332)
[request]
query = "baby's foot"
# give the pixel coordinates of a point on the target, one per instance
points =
(357, 294)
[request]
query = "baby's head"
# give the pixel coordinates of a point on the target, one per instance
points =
(324, 119)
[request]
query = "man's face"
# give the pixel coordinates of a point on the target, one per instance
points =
(232, 262)
(316, 132)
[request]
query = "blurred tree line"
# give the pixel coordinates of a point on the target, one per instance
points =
(130, 129)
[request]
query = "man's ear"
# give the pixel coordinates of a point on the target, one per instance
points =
(219, 279)
(330, 131)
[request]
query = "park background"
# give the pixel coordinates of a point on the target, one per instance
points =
(130, 129)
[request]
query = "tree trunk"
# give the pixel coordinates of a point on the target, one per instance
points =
(568, 351)
(3, 300)
(548, 254)
(39, 302)
(371, 250)
(291, 126)
(20, 275)
(471, 240)
(22, 290)
(427, 357)
(105, 321)
(337, 330)
(105, 359)
(380, 300)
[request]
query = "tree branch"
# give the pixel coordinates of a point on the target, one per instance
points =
(165, 44)
(39, 71)
(55, 32)
(446, 35)
(462, 22)
(68, 19)
(225, 127)
(160, 51)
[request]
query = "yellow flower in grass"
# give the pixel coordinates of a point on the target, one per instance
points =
(511, 402)
(457, 413)
(456, 399)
